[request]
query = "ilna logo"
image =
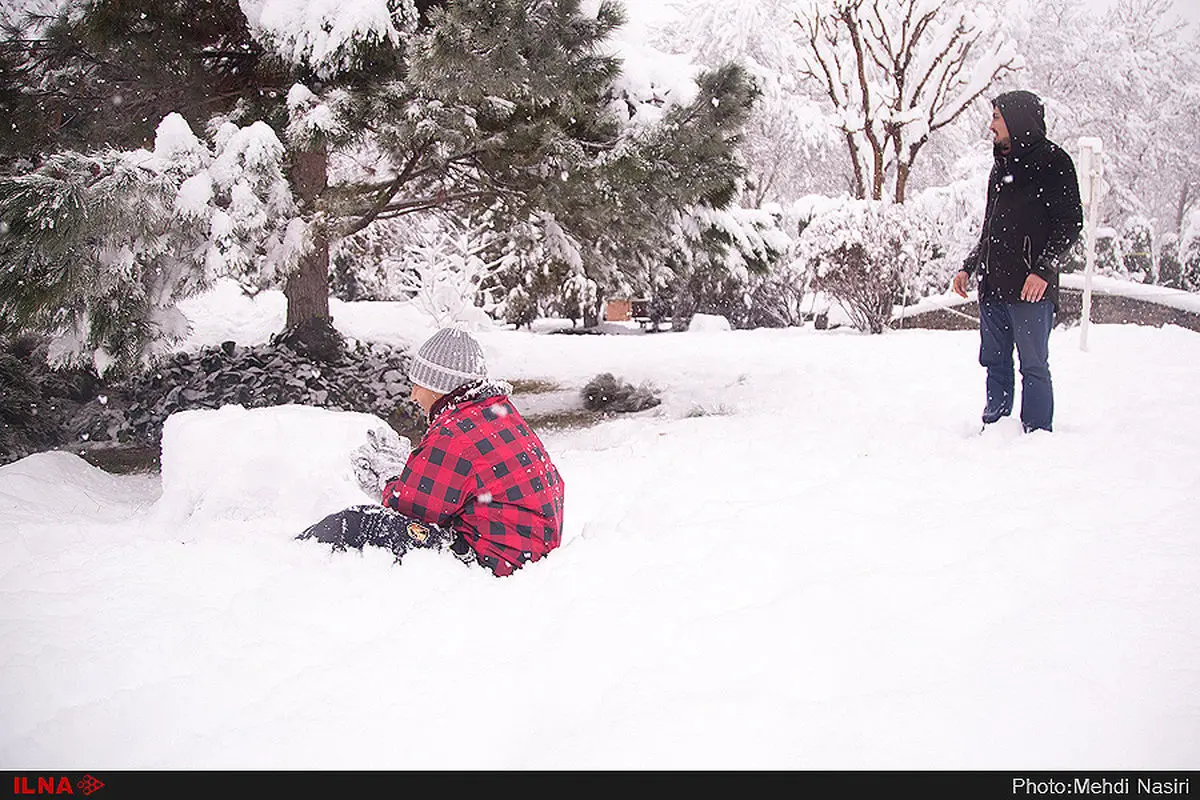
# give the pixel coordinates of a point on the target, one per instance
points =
(43, 784)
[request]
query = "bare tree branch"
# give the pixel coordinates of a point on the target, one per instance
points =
(896, 71)
(387, 192)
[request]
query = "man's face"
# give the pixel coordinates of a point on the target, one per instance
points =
(1000, 131)
(423, 397)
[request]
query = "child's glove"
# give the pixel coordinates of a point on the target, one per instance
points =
(379, 460)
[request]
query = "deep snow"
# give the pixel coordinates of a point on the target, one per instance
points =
(804, 558)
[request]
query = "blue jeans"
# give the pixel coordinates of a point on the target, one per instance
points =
(1027, 325)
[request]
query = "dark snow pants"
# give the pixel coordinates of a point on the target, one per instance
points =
(379, 526)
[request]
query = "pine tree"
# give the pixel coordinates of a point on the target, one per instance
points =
(106, 73)
(1137, 250)
(491, 108)
(100, 247)
(721, 255)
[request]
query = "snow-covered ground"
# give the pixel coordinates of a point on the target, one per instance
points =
(804, 558)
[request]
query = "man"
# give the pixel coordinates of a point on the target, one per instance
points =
(480, 482)
(1033, 217)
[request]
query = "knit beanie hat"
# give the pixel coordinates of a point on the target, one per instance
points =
(449, 359)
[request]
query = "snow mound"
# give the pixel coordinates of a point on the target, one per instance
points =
(225, 312)
(709, 322)
(62, 485)
(284, 462)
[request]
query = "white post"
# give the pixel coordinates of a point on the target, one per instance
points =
(1091, 169)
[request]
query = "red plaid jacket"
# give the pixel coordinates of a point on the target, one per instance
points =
(482, 471)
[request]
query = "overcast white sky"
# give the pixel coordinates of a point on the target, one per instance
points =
(1189, 9)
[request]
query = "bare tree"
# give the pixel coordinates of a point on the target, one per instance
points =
(897, 71)
(1131, 77)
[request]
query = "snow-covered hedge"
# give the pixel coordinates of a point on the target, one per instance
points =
(77, 409)
(367, 379)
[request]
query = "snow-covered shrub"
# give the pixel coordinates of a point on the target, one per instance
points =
(519, 308)
(606, 392)
(1189, 252)
(360, 265)
(868, 255)
(799, 214)
(777, 298)
(1108, 253)
(436, 267)
(1170, 271)
(444, 277)
(576, 300)
(953, 216)
(719, 257)
(1075, 259)
(540, 271)
(709, 291)
(1137, 250)
(1126, 253)
(549, 289)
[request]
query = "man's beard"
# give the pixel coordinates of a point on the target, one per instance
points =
(1004, 144)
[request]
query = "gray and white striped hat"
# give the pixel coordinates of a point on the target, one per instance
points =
(449, 359)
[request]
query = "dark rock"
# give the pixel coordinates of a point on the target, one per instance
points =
(606, 393)
(315, 338)
(38, 412)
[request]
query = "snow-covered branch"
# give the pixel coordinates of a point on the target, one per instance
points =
(894, 72)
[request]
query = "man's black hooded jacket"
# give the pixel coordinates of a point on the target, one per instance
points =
(1033, 211)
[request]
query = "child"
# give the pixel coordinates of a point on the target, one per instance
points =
(479, 483)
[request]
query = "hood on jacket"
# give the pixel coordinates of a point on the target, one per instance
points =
(468, 392)
(1025, 117)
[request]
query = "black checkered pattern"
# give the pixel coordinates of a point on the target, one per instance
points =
(481, 470)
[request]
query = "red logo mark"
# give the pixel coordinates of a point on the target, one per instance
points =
(89, 784)
(49, 784)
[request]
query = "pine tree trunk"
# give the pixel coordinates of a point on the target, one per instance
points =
(309, 327)
(307, 289)
(591, 314)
